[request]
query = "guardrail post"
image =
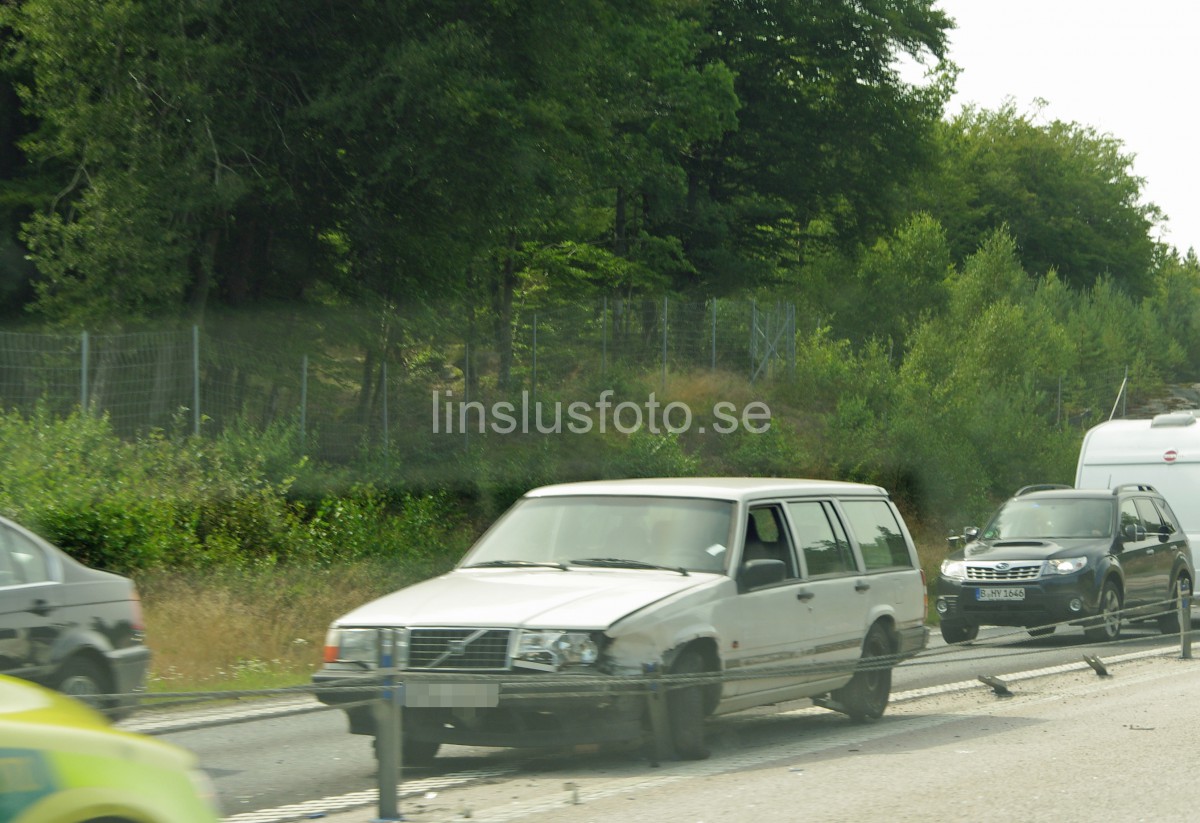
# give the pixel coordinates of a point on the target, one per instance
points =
(1185, 619)
(388, 717)
(656, 697)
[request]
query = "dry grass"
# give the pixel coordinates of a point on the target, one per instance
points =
(248, 629)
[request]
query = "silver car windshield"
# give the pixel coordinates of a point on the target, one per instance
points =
(1050, 518)
(677, 533)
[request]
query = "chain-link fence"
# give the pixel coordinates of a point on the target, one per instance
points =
(351, 401)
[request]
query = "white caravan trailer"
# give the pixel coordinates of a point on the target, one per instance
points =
(1163, 451)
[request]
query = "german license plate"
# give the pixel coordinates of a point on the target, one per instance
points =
(1005, 593)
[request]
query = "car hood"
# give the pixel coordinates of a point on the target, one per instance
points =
(535, 598)
(1030, 549)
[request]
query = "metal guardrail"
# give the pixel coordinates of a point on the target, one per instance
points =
(389, 695)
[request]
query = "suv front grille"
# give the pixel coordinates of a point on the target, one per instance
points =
(459, 649)
(1011, 571)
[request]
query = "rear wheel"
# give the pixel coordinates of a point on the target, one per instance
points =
(685, 711)
(955, 632)
(1107, 625)
(1168, 622)
(83, 679)
(866, 695)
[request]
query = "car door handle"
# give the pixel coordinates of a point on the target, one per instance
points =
(805, 595)
(861, 586)
(41, 608)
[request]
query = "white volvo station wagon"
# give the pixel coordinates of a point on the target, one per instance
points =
(778, 588)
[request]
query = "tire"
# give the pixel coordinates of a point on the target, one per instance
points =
(1169, 622)
(414, 753)
(1106, 626)
(866, 695)
(1042, 631)
(955, 632)
(686, 712)
(83, 679)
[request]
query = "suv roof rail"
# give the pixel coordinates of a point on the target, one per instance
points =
(1134, 487)
(1040, 487)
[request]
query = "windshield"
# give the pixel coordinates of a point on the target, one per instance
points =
(1051, 518)
(664, 531)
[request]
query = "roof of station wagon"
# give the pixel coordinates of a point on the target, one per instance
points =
(716, 488)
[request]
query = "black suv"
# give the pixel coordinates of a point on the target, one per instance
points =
(1053, 554)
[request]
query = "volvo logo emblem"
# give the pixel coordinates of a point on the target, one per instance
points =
(1002, 567)
(456, 648)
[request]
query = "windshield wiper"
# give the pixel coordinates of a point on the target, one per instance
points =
(519, 563)
(623, 563)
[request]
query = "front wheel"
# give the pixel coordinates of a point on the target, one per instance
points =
(954, 632)
(866, 695)
(1107, 624)
(413, 753)
(685, 711)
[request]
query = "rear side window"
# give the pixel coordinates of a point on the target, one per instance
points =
(879, 536)
(825, 547)
(1152, 517)
(21, 561)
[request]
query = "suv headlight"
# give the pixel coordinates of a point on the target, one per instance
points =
(352, 646)
(954, 569)
(553, 650)
(1065, 566)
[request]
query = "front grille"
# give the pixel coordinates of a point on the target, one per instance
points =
(459, 649)
(1011, 571)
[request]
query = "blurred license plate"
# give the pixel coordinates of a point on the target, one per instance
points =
(1008, 593)
(451, 695)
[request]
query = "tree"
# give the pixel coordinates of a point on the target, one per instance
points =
(826, 133)
(1065, 192)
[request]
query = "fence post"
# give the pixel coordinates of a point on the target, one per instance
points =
(83, 374)
(604, 336)
(388, 743)
(303, 401)
(384, 399)
(714, 334)
(196, 380)
(664, 347)
(533, 382)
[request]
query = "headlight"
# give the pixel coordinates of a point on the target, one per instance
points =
(1065, 566)
(555, 650)
(352, 646)
(955, 569)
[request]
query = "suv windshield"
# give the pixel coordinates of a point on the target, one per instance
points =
(676, 533)
(1051, 518)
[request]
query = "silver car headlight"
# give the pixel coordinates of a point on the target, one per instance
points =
(1066, 565)
(554, 650)
(954, 569)
(352, 646)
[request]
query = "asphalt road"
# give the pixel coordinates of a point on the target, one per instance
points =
(267, 765)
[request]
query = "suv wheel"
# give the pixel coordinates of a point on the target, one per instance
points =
(1168, 622)
(866, 695)
(955, 632)
(1107, 624)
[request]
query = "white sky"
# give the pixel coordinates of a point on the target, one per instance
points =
(1123, 67)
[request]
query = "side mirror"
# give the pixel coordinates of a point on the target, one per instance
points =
(971, 533)
(758, 573)
(1134, 532)
(954, 542)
